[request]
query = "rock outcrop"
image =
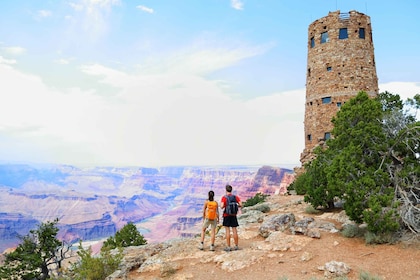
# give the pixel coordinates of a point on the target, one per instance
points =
(273, 244)
(263, 234)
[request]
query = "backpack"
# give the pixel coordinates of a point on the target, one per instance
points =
(231, 205)
(211, 210)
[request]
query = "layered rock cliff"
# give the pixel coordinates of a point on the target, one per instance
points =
(92, 203)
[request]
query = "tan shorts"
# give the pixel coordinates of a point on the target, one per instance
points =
(212, 223)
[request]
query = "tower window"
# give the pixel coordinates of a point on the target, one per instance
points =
(343, 33)
(312, 42)
(324, 37)
(326, 100)
(327, 135)
(361, 33)
(338, 104)
(309, 137)
(329, 68)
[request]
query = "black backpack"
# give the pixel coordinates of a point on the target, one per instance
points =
(231, 205)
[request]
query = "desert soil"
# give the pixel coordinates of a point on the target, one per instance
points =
(389, 262)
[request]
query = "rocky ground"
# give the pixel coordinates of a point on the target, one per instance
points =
(317, 250)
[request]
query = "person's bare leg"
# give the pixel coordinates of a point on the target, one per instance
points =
(203, 233)
(227, 236)
(213, 235)
(235, 235)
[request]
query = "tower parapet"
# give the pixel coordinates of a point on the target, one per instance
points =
(341, 63)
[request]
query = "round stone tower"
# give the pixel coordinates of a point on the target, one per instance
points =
(341, 63)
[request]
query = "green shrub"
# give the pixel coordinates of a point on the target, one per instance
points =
(94, 267)
(366, 276)
(299, 185)
(125, 237)
(311, 210)
(380, 238)
(351, 231)
(258, 198)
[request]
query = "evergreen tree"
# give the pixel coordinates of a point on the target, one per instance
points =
(33, 257)
(371, 163)
(126, 236)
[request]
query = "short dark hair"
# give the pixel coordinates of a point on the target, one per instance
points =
(228, 188)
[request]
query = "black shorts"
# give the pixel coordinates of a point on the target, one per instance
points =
(230, 221)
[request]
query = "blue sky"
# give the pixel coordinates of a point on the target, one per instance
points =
(166, 82)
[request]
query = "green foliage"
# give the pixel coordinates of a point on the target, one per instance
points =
(311, 210)
(32, 258)
(366, 276)
(125, 237)
(91, 267)
(380, 238)
(389, 101)
(379, 217)
(299, 184)
(351, 231)
(371, 163)
(258, 198)
(319, 191)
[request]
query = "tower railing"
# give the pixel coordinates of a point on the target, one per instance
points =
(344, 16)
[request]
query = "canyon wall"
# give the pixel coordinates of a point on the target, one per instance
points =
(92, 203)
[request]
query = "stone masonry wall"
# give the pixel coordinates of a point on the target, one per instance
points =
(337, 69)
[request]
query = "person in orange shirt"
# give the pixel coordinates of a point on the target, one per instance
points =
(210, 218)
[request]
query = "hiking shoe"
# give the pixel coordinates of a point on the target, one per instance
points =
(211, 247)
(227, 249)
(201, 246)
(235, 248)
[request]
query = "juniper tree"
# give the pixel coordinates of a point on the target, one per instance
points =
(128, 235)
(35, 257)
(372, 163)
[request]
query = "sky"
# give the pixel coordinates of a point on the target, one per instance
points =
(174, 82)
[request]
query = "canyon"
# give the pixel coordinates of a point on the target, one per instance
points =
(92, 203)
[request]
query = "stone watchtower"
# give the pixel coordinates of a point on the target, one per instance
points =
(341, 63)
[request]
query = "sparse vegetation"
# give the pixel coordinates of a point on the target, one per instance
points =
(311, 210)
(351, 231)
(371, 163)
(366, 276)
(39, 254)
(98, 267)
(126, 236)
(94, 267)
(257, 198)
(380, 238)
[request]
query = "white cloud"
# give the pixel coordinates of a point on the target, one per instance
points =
(145, 9)
(155, 119)
(76, 6)
(43, 13)
(91, 16)
(403, 89)
(237, 4)
(62, 61)
(5, 61)
(203, 59)
(102, 3)
(14, 50)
